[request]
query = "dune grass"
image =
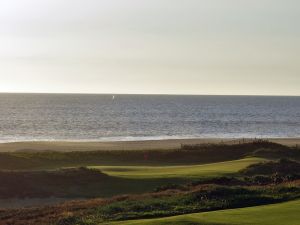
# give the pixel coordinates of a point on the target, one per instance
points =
(190, 171)
(276, 214)
(184, 156)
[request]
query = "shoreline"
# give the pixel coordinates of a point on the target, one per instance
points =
(163, 144)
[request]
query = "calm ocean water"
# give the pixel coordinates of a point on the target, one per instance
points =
(25, 117)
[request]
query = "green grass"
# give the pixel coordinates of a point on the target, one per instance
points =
(90, 183)
(276, 214)
(194, 171)
(178, 179)
(185, 156)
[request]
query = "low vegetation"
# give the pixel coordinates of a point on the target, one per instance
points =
(151, 184)
(283, 166)
(106, 181)
(204, 195)
(72, 184)
(186, 155)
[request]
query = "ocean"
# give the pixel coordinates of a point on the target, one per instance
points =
(75, 117)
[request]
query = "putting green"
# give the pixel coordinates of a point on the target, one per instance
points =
(194, 171)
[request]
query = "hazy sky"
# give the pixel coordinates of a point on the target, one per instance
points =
(150, 46)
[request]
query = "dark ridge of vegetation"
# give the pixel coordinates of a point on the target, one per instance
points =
(224, 180)
(283, 166)
(200, 198)
(277, 153)
(247, 146)
(72, 183)
(255, 180)
(171, 187)
(188, 199)
(257, 148)
(271, 179)
(187, 155)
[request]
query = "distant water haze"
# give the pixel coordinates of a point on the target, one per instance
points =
(29, 117)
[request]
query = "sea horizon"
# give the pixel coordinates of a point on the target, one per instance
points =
(145, 94)
(115, 117)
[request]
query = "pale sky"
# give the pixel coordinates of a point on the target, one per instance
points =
(247, 47)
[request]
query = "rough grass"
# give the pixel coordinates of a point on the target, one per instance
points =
(183, 172)
(283, 166)
(72, 183)
(277, 214)
(136, 172)
(185, 200)
(199, 196)
(106, 182)
(187, 155)
(197, 199)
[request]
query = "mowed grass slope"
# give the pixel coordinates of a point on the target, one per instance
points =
(184, 172)
(276, 214)
(106, 182)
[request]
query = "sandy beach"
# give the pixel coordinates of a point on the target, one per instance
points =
(125, 145)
